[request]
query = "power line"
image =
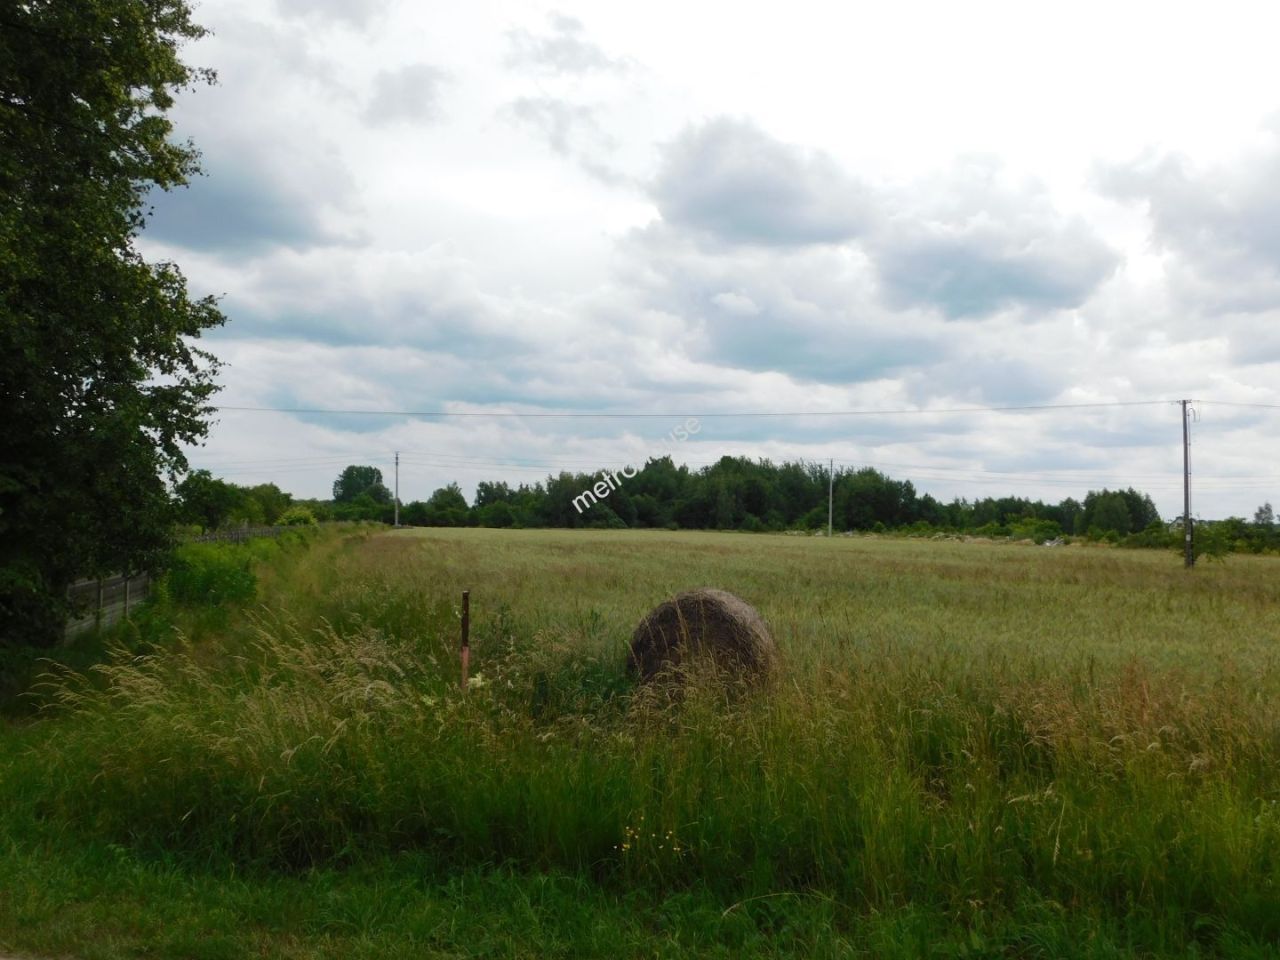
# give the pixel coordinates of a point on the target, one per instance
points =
(1232, 403)
(507, 414)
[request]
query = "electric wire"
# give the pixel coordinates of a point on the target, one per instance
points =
(560, 415)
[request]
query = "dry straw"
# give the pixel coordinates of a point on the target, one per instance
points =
(704, 625)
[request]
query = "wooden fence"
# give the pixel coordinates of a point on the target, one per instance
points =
(99, 603)
(236, 534)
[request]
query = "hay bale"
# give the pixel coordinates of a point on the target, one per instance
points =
(698, 624)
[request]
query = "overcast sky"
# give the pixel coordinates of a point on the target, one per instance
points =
(689, 208)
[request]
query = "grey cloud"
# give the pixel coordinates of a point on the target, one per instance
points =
(271, 178)
(251, 200)
(1222, 224)
(288, 373)
(235, 213)
(409, 94)
(564, 51)
(971, 244)
(990, 378)
(425, 300)
(807, 312)
(827, 352)
(967, 244)
(730, 180)
(970, 270)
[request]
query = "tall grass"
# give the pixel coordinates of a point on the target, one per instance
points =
(976, 730)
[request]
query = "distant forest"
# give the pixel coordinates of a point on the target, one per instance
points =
(735, 493)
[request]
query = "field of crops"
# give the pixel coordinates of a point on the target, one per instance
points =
(972, 750)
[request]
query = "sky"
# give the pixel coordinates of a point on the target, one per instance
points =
(530, 217)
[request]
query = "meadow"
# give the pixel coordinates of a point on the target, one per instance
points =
(972, 750)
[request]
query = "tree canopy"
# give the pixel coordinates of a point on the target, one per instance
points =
(356, 481)
(99, 378)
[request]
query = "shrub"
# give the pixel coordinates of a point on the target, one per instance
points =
(211, 573)
(1038, 530)
(1155, 535)
(297, 517)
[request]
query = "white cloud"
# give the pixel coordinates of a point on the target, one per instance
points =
(1219, 223)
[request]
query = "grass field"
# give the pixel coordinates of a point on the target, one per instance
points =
(973, 750)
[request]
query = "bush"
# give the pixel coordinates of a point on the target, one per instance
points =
(1038, 530)
(211, 573)
(1155, 535)
(921, 528)
(1211, 541)
(297, 517)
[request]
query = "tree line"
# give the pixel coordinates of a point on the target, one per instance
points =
(735, 493)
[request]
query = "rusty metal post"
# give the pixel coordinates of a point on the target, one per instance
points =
(466, 637)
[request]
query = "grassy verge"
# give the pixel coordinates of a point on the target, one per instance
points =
(974, 750)
(101, 903)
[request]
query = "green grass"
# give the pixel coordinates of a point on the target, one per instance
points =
(973, 750)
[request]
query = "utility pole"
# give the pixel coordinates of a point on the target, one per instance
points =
(1188, 545)
(831, 488)
(397, 496)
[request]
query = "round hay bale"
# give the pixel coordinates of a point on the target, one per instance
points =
(698, 624)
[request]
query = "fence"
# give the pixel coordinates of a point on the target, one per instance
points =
(99, 603)
(236, 534)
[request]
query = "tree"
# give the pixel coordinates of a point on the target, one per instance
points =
(1107, 512)
(1142, 511)
(207, 501)
(496, 514)
(1116, 511)
(100, 383)
(1265, 516)
(272, 501)
(355, 480)
(447, 507)
(487, 493)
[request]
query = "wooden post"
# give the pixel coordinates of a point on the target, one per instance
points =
(126, 597)
(465, 652)
(97, 613)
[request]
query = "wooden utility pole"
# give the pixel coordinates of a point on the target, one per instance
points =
(831, 490)
(397, 494)
(1188, 532)
(465, 651)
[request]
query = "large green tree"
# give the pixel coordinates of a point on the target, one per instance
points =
(357, 480)
(203, 499)
(100, 383)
